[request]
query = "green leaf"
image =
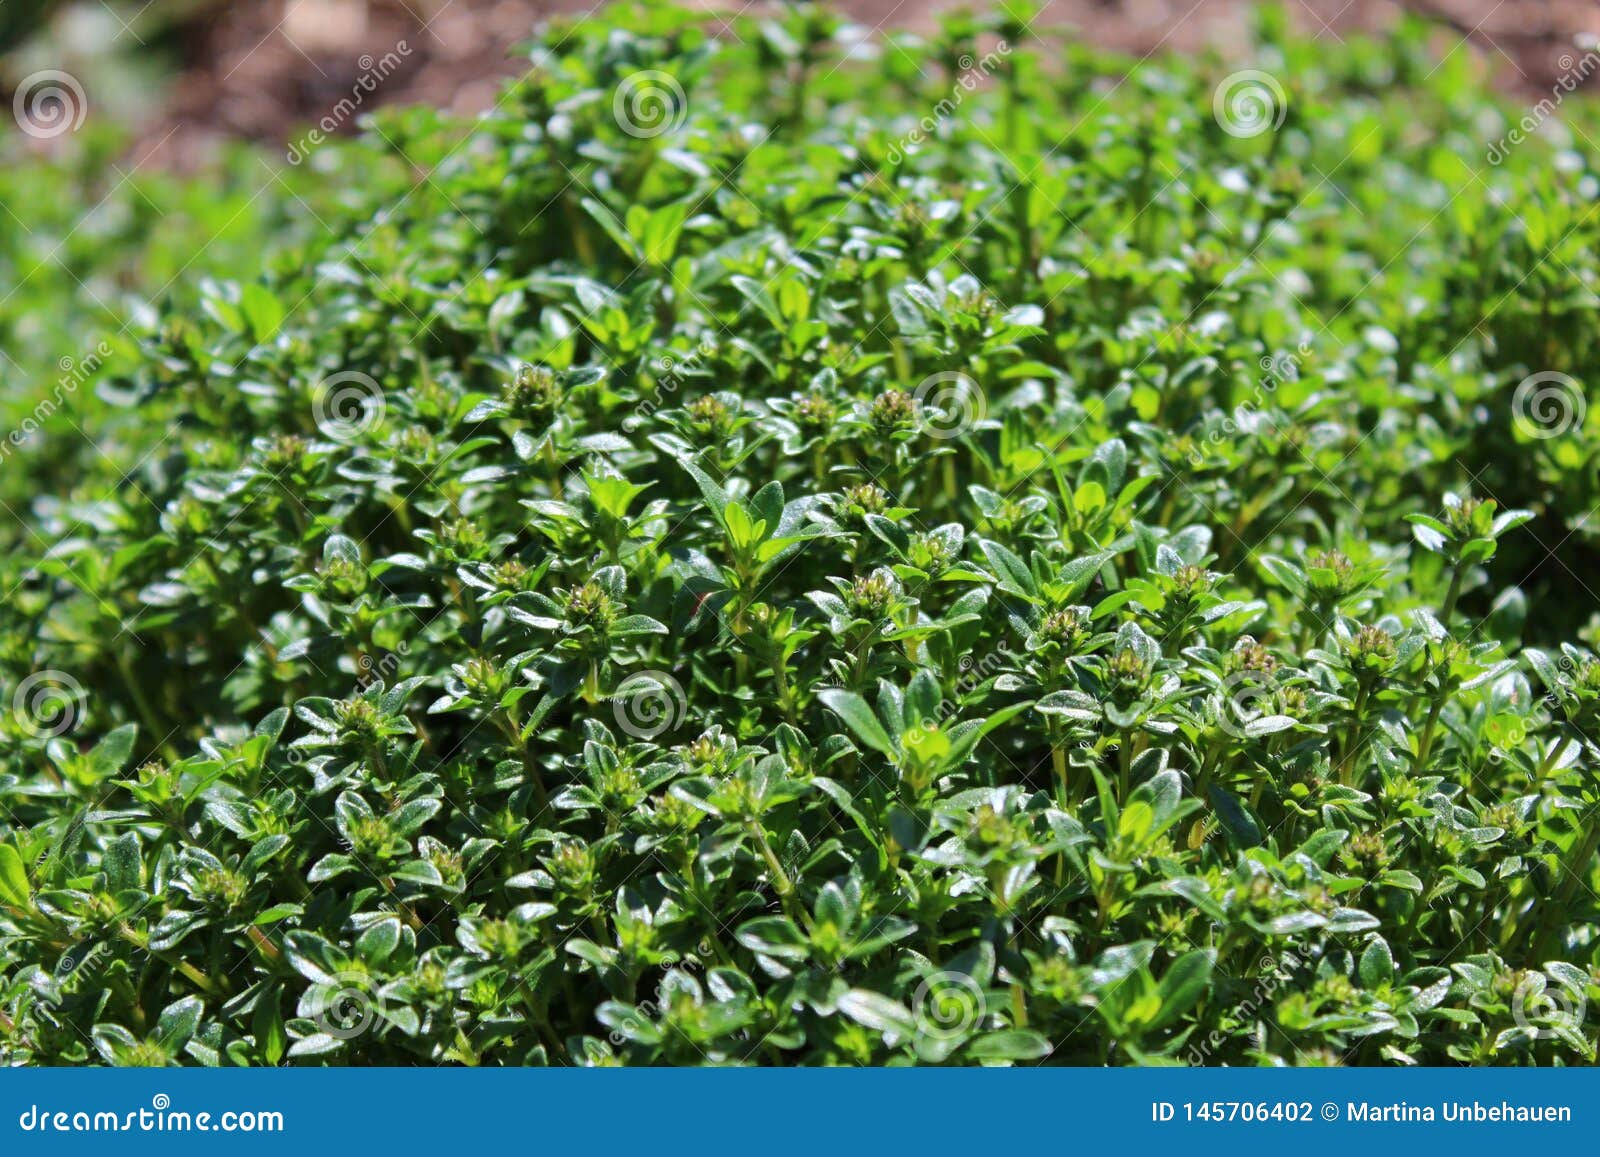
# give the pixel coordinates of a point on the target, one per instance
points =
(1013, 573)
(123, 865)
(878, 1012)
(1014, 1044)
(14, 889)
(853, 709)
(262, 310)
(1377, 964)
(774, 936)
(1183, 984)
(177, 1024)
(112, 753)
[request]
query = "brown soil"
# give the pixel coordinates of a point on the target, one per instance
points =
(269, 69)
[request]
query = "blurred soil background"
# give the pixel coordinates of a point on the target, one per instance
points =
(189, 73)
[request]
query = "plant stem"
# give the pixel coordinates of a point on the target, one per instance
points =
(147, 714)
(1451, 595)
(1352, 738)
(1425, 744)
(1575, 871)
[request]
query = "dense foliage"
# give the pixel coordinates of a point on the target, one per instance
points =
(774, 548)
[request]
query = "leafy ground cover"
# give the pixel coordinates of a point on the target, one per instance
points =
(773, 548)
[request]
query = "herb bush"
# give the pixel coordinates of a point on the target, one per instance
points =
(88, 237)
(703, 565)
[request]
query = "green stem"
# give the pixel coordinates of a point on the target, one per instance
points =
(1451, 595)
(554, 463)
(1352, 738)
(141, 704)
(513, 732)
(1425, 744)
(1575, 871)
(1548, 761)
(780, 879)
(200, 979)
